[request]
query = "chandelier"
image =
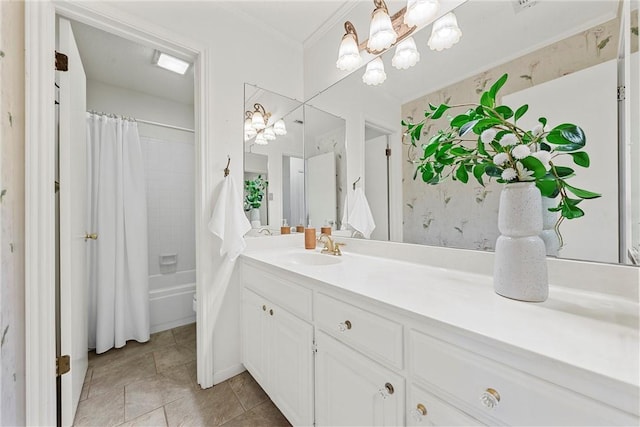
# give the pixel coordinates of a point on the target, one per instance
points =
(256, 124)
(387, 31)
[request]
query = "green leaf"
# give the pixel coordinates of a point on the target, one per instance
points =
(520, 111)
(534, 165)
(486, 100)
(484, 124)
(440, 111)
(548, 187)
(563, 171)
(444, 148)
(481, 148)
(427, 172)
(571, 212)
(432, 107)
(544, 146)
(504, 111)
(493, 91)
(415, 174)
(460, 151)
(493, 171)
(430, 149)
(467, 127)
(478, 171)
(462, 174)
(543, 121)
(460, 120)
(581, 158)
(567, 134)
(584, 194)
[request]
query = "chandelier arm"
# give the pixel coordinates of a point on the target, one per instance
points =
(259, 108)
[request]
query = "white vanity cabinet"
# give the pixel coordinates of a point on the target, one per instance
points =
(374, 364)
(353, 390)
(277, 349)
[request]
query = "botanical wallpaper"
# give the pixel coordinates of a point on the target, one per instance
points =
(333, 141)
(465, 216)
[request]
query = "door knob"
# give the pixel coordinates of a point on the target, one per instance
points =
(92, 236)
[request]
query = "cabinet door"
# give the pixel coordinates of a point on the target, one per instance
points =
(425, 409)
(353, 390)
(291, 365)
(255, 336)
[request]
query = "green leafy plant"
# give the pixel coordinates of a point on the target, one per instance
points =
(254, 190)
(486, 142)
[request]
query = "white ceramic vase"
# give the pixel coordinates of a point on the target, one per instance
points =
(254, 216)
(548, 234)
(520, 270)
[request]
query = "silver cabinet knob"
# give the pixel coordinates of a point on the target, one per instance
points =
(490, 398)
(344, 326)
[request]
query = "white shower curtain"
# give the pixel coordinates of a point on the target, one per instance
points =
(118, 259)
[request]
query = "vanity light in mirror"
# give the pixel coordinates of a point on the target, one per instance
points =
(349, 53)
(374, 75)
(420, 12)
(258, 121)
(279, 128)
(406, 55)
(381, 33)
(249, 131)
(445, 32)
(260, 139)
(269, 134)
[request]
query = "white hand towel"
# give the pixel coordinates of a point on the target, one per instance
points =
(359, 215)
(228, 221)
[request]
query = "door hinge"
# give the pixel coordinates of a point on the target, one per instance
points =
(62, 62)
(314, 347)
(56, 186)
(387, 152)
(63, 365)
(621, 93)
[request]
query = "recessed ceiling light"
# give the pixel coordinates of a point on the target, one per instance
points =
(170, 63)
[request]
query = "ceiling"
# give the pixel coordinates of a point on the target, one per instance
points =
(120, 62)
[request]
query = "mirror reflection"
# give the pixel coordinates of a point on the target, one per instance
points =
(274, 152)
(567, 73)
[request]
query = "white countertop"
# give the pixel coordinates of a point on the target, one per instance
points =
(592, 331)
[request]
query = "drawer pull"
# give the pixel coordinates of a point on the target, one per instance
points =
(271, 312)
(264, 308)
(386, 391)
(419, 412)
(344, 326)
(490, 398)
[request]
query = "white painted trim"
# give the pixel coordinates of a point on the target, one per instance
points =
(227, 373)
(40, 341)
(339, 15)
(39, 177)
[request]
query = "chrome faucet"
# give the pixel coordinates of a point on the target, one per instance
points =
(330, 247)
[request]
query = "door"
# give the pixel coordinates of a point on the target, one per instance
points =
(353, 390)
(254, 335)
(73, 219)
(291, 357)
(376, 172)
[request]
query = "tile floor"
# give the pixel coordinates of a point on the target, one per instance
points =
(154, 384)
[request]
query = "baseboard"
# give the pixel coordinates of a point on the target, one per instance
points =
(225, 374)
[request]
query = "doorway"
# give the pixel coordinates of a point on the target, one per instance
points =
(377, 152)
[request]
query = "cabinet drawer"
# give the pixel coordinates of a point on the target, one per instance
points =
(288, 295)
(374, 335)
(490, 390)
(427, 410)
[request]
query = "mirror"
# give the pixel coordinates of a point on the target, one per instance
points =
(567, 73)
(273, 169)
(325, 167)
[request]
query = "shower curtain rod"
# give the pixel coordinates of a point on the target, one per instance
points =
(149, 122)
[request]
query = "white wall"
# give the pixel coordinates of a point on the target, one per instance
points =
(240, 51)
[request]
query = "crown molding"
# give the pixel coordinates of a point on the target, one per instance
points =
(329, 24)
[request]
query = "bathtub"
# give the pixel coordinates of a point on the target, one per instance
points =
(171, 300)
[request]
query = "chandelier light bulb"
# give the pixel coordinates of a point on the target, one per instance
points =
(381, 33)
(257, 121)
(445, 32)
(269, 134)
(349, 54)
(260, 139)
(406, 55)
(420, 12)
(249, 131)
(279, 128)
(374, 74)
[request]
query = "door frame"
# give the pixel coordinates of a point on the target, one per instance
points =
(40, 339)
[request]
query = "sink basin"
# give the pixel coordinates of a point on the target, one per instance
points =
(314, 258)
